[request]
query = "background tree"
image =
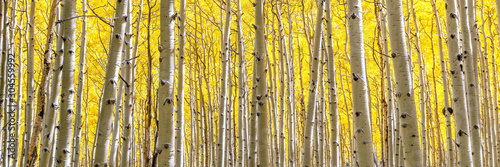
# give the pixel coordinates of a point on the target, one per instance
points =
(404, 88)
(110, 85)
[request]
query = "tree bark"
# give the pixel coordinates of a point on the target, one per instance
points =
(30, 89)
(311, 104)
(75, 162)
(363, 152)
(332, 85)
(63, 147)
(128, 108)
(242, 93)
(32, 153)
(404, 88)
(422, 84)
(166, 88)
(179, 143)
(260, 84)
(110, 84)
(472, 78)
(50, 120)
(458, 87)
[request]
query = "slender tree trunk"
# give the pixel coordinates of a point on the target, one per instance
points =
(283, 54)
(363, 152)
(291, 94)
(179, 143)
(63, 148)
(458, 87)
(404, 88)
(311, 105)
(392, 127)
(166, 89)
(4, 104)
(472, 78)
(115, 143)
(19, 158)
(260, 85)
(470, 84)
(79, 92)
(242, 92)
(225, 48)
(110, 84)
(32, 153)
(128, 108)
(50, 120)
(422, 74)
(332, 83)
(444, 76)
(30, 89)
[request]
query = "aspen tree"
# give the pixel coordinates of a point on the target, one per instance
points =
(260, 84)
(18, 159)
(128, 108)
(332, 87)
(113, 161)
(242, 92)
(110, 83)
(363, 152)
(179, 141)
(32, 152)
(221, 150)
(475, 34)
(422, 85)
(291, 94)
(50, 119)
(166, 141)
(311, 104)
(149, 101)
(444, 76)
(75, 161)
(404, 88)
(393, 153)
(283, 54)
(12, 50)
(472, 79)
(63, 148)
(30, 90)
(468, 56)
(458, 87)
(3, 82)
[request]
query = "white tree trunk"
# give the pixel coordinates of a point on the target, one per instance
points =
(458, 87)
(30, 73)
(444, 77)
(363, 150)
(179, 141)
(50, 117)
(291, 94)
(472, 80)
(115, 140)
(63, 145)
(242, 93)
(332, 87)
(3, 83)
(110, 84)
(404, 87)
(313, 89)
(225, 48)
(422, 84)
(260, 84)
(166, 145)
(75, 162)
(128, 107)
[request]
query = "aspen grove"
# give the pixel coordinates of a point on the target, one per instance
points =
(185, 83)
